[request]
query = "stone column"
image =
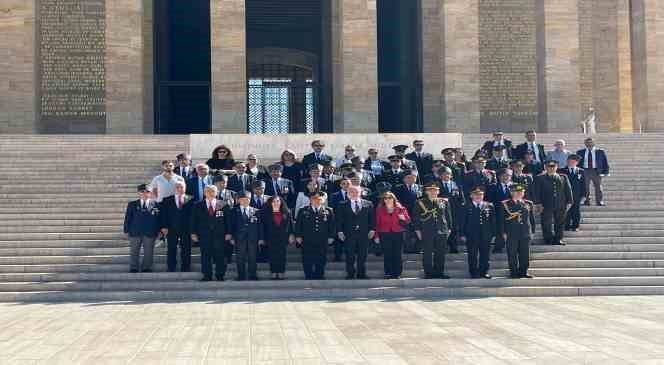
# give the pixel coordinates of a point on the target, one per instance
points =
(17, 67)
(605, 63)
(433, 67)
(357, 54)
(229, 70)
(625, 120)
(648, 64)
(560, 66)
(126, 59)
(462, 67)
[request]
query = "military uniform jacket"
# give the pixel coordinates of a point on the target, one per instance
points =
(208, 227)
(355, 223)
(478, 223)
(432, 217)
(553, 192)
(393, 177)
(176, 219)
(516, 218)
(315, 226)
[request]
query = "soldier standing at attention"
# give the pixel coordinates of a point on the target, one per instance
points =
(477, 226)
(516, 224)
(552, 194)
(314, 231)
(432, 218)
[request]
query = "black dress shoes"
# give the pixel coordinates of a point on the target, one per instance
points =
(486, 276)
(205, 278)
(454, 250)
(601, 204)
(133, 271)
(527, 276)
(220, 278)
(443, 276)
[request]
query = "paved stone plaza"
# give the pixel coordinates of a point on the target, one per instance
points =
(593, 330)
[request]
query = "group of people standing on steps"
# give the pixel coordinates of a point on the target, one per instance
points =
(349, 207)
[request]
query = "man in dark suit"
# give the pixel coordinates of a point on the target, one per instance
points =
(552, 194)
(423, 160)
(141, 226)
(258, 197)
(477, 226)
(197, 183)
(184, 167)
(596, 166)
(577, 180)
(496, 193)
(340, 196)
(315, 229)
(241, 181)
(280, 186)
(532, 166)
(355, 228)
(530, 145)
(407, 193)
(229, 197)
(246, 228)
(175, 225)
(499, 159)
(317, 156)
(498, 140)
(210, 227)
(453, 193)
(432, 220)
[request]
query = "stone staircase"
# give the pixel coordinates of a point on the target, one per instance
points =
(62, 201)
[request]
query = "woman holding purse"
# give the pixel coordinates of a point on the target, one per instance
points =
(278, 223)
(391, 221)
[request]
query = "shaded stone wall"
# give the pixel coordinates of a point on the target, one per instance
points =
(17, 67)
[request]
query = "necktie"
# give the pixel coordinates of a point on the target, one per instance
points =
(181, 201)
(142, 204)
(590, 159)
(355, 207)
(244, 213)
(210, 209)
(276, 187)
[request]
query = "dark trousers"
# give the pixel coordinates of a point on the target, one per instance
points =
(263, 254)
(228, 251)
(212, 252)
(499, 244)
(392, 247)
(357, 248)
(574, 216)
(555, 218)
(184, 241)
(518, 255)
(411, 243)
(478, 256)
(338, 249)
(593, 176)
(452, 241)
(246, 254)
(277, 250)
(314, 258)
(435, 248)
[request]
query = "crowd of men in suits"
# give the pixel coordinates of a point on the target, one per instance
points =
(411, 202)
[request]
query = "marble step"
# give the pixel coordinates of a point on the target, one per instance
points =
(332, 294)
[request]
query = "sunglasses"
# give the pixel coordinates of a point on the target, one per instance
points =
(222, 151)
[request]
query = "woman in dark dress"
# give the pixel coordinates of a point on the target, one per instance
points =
(293, 170)
(222, 161)
(278, 225)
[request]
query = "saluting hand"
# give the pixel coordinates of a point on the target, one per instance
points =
(228, 237)
(504, 236)
(372, 234)
(342, 236)
(291, 239)
(194, 237)
(164, 231)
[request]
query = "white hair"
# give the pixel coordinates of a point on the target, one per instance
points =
(561, 141)
(202, 165)
(180, 182)
(212, 187)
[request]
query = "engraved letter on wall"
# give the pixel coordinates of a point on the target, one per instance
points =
(71, 68)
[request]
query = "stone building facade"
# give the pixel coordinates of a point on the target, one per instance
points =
(98, 66)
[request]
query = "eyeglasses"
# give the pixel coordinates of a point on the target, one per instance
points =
(222, 151)
(319, 146)
(251, 159)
